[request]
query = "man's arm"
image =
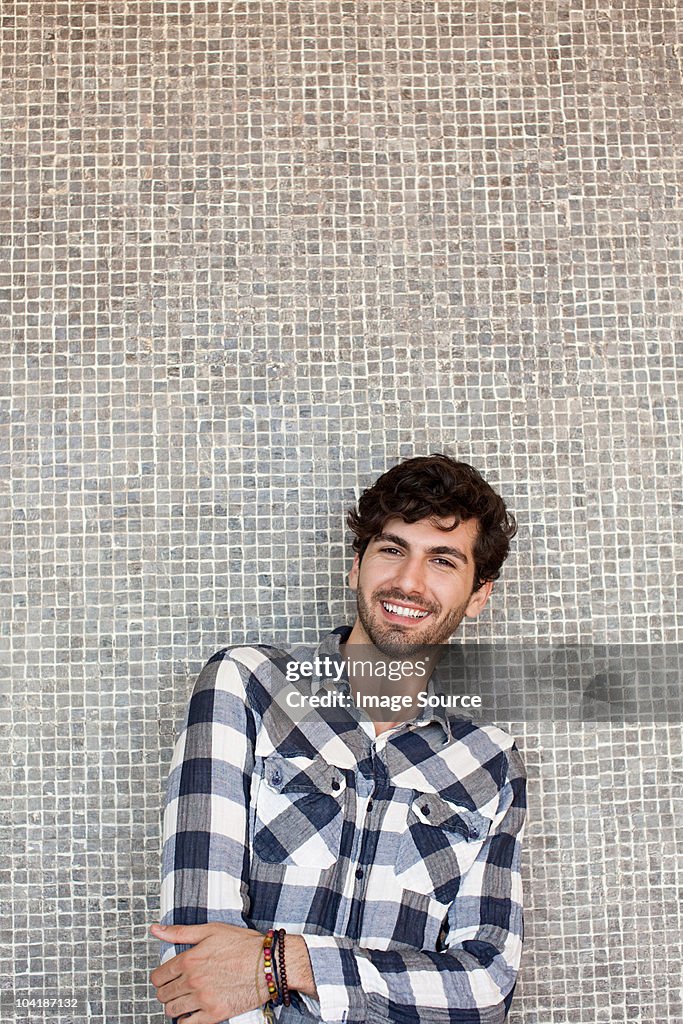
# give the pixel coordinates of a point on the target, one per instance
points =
(471, 981)
(205, 855)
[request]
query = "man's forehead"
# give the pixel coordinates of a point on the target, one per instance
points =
(440, 524)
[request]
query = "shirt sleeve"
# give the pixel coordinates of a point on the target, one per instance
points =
(472, 980)
(205, 855)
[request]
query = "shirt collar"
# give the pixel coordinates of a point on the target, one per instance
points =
(329, 645)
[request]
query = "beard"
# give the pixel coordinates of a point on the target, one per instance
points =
(398, 641)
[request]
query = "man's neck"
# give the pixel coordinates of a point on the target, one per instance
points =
(359, 650)
(359, 647)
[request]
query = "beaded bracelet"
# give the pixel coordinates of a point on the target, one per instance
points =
(268, 963)
(267, 1007)
(283, 970)
(268, 1015)
(274, 958)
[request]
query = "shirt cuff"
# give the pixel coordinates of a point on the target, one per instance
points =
(341, 999)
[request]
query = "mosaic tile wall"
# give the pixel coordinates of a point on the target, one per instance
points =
(252, 254)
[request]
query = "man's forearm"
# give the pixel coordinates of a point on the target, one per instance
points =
(356, 983)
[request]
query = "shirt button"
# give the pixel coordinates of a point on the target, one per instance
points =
(369, 806)
(276, 777)
(335, 783)
(359, 872)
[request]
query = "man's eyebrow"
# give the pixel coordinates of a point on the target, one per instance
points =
(439, 549)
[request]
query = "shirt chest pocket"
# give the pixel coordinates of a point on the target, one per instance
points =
(440, 844)
(299, 812)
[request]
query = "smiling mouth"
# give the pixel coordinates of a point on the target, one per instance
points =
(401, 613)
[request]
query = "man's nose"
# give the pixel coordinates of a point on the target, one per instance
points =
(410, 577)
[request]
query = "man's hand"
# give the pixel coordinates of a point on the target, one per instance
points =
(214, 980)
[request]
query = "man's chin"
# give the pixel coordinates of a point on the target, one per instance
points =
(398, 645)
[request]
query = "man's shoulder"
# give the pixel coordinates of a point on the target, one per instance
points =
(252, 655)
(255, 674)
(245, 660)
(487, 743)
(248, 652)
(252, 662)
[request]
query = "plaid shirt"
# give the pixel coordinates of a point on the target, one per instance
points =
(397, 856)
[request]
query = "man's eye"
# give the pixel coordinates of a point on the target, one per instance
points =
(444, 561)
(390, 550)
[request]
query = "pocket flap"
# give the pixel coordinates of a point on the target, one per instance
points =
(431, 809)
(303, 775)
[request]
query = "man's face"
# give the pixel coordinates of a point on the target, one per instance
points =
(414, 585)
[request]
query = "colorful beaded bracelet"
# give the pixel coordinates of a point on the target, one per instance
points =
(268, 964)
(268, 1015)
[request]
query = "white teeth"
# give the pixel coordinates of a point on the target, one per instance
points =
(408, 613)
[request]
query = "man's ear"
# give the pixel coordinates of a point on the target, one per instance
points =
(478, 600)
(353, 573)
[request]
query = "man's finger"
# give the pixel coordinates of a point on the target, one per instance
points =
(166, 972)
(187, 934)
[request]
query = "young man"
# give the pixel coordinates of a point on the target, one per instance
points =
(389, 852)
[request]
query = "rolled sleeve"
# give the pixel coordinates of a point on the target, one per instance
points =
(341, 996)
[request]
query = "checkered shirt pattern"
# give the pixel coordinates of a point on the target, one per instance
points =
(396, 856)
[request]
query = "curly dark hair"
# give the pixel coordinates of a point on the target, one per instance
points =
(436, 486)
